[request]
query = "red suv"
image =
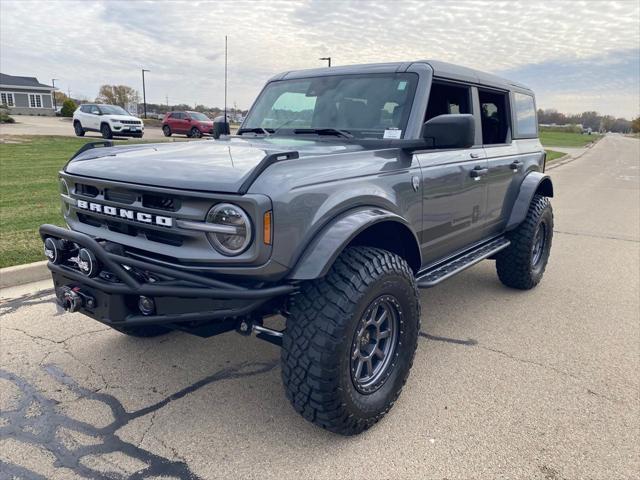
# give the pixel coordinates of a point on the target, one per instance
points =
(191, 124)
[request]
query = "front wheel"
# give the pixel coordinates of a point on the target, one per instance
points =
(105, 130)
(77, 127)
(350, 340)
(522, 264)
(195, 133)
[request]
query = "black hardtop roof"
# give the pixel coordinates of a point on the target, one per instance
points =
(440, 70)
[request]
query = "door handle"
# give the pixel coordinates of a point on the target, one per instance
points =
(515, 165)
(478, 172)
(474, 155)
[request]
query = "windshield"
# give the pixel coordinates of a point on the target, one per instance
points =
(113, 110)
(199, 116)
(365, 106)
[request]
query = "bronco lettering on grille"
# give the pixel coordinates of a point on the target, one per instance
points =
(125, 213)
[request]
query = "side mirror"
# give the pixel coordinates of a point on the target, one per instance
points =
(455, 130)
(220, 126)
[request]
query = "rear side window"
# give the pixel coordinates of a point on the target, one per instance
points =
(526, 124)
(494, 116)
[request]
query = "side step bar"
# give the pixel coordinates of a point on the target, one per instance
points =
(441, 272)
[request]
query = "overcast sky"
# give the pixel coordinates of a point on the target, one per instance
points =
(576, 55)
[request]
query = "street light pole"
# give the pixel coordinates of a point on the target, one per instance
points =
(53, 84)
(328, 59)
(144, 94)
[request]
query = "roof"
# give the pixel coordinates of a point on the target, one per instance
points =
(440, 69)
(25, 82)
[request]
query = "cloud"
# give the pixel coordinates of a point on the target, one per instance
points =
(182, 43)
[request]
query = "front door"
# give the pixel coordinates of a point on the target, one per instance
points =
(454, 201)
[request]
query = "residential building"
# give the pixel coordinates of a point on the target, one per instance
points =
(26, 95)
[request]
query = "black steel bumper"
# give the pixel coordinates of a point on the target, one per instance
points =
(119, 281)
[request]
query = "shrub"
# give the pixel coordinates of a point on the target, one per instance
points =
(68, 107)
(4, 116)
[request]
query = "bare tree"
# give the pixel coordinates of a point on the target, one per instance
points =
(117, 95)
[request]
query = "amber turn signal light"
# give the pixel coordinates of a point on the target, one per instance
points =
(266, 232)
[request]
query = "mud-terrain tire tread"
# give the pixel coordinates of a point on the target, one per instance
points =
(314, 329)
(513, 264)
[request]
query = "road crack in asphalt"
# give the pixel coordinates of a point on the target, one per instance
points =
(40, 430)
(594, 235)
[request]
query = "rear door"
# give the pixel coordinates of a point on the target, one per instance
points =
(453, 182)
(180, 122)
(506, 169)
(93, 117)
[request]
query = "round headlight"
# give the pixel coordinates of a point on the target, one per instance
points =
(231, 229)
(64, 190)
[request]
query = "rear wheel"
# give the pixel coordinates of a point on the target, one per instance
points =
(195, 133)
(350, 340)
(105, 130)
(166, 130)
(522, 264)
(77, 127)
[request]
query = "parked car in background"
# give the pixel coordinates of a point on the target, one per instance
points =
(109, 120)
(191, 124)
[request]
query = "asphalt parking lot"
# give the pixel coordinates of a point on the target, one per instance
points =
(35, 125)
(530, 385)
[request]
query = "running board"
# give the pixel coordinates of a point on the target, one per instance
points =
(441, 272)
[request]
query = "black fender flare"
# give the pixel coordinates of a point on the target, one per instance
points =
(534, 182)
(326, 246)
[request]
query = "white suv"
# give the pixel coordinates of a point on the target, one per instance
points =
(109, 120)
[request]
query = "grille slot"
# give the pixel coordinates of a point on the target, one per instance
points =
(160, 203)
(131, 230)
(87, 190)
(89, 220)
(120, 196)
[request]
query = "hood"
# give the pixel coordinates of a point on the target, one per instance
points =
(206, 165)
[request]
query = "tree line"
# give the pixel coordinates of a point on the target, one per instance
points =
(592, 120)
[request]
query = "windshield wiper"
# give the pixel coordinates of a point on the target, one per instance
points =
(258, 130)
(324, 131)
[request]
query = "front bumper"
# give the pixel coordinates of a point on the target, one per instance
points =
(118, 282)
(124, 130)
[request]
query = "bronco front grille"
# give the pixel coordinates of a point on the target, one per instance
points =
(132, 230)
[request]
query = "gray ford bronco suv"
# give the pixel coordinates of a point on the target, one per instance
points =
(344, 191)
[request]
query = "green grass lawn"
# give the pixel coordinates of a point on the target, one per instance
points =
(553, 155)
(29, 194)
(566, 139)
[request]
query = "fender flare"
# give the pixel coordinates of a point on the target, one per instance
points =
(534, 182)
(328, 244)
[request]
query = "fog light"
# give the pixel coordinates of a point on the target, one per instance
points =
(146, 305)
(53, 250)
(87, 263)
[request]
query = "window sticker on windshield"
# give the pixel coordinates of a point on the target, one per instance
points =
(393, 133)
(402, 85)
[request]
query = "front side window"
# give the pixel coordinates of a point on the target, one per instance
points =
(494, 116)
(364, 106)
(7, 99)
(446, 98)
(201, 117)
(35, 100)
(526, 123)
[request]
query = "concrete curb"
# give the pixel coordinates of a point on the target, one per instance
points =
(568, 158)
(21, 274)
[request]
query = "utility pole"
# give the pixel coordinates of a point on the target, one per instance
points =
(167, 98)
(53, 84)
(144, 94)
(328, 59)
(225, 80)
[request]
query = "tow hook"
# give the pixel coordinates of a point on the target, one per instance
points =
(71, 299)
(248, 326)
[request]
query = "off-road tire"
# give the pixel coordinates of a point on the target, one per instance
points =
(143, 332)
(77, 128)
(514, 264)
(321, 328)
(166, 130)
(106, 132)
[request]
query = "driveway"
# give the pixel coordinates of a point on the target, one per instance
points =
(506, 384)
(34, 125)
